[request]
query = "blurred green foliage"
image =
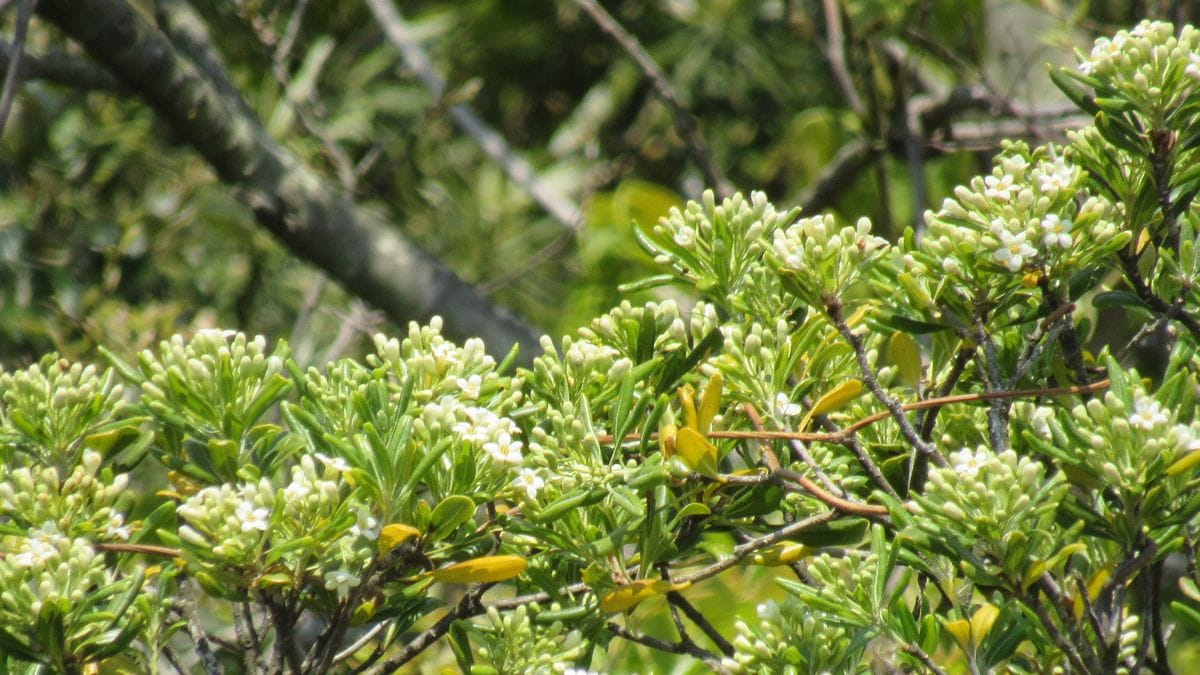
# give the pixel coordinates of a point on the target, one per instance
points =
(109, 228)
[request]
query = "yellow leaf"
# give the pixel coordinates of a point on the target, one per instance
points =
(687, 399)
(783, 553)
(710, 403)
(666, 439)
(695, 449)
(626, 597)
(1183, 464)
(961, 630)
(907, 357)
(395, 534)
(1094, 586)
(858, 316)
(834, 399)
(183, 484)
(481, 570)
(1142, 240)
(363, 613)
(982, 622)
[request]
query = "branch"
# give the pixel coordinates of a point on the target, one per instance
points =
(467, 607)
(492, 143)
(13, 72)
(681, 647)
(61, 68)
(685, 122)
(319, 223)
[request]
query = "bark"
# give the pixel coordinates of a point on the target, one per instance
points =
(319, 222)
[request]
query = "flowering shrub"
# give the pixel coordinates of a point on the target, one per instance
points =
(911, 437)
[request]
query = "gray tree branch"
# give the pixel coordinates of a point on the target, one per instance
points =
(355, 245)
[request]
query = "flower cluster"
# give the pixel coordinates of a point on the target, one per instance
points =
(439, 367)
(1146, 61)
(49, 407)
(1026, 218)
(981, 500)
(818, 260)
(514, 643)
(89, 502)
(49, 576)
(789, 638)
(228, 522)
(1127, 440)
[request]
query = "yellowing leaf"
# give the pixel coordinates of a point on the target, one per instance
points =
(835, 398)
(961, 630)
(1094, 586)
(687, 399)
(1184, 464)
(982, 622)
(626, 597)
(363, 613)
(666, 439)
(783, 553)
(907, 357)
(1142, 240)
(697, 452)
(481, 570)
(857, 317)
(710, 403)
(395, 534)
(183, 484)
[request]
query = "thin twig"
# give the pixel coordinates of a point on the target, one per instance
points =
(493, 144)
(835, 51)
(702, 622)
(467, 607)
(834, 311)
(685, 122)
(358, 644)
(681, 647)
(13, 73)
(997, 415)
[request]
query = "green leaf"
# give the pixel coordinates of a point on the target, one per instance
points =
(907, 356)
(449, 514)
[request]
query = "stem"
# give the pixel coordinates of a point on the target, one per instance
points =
(685, 122)
(834, 310)
(702, 622)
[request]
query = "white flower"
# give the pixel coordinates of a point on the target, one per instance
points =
(1055, 177)
(784, 406)
(470, 387)
(366, 526)
(295, 492)
(530, 482)
(1014, 250)
(1193, 66)
(685, 236)
(1147, 414)
(336, 463)
(445, 351)
(1058, 231)
(116, 528)
(340, 580)
(999, 188)
(252, 518)
(504, 450)
(967, 462)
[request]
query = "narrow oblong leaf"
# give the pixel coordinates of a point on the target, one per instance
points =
(629, 595)
(394, 534)
(710, 403)
(695, 449)
(487, 569)
(907, 357)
